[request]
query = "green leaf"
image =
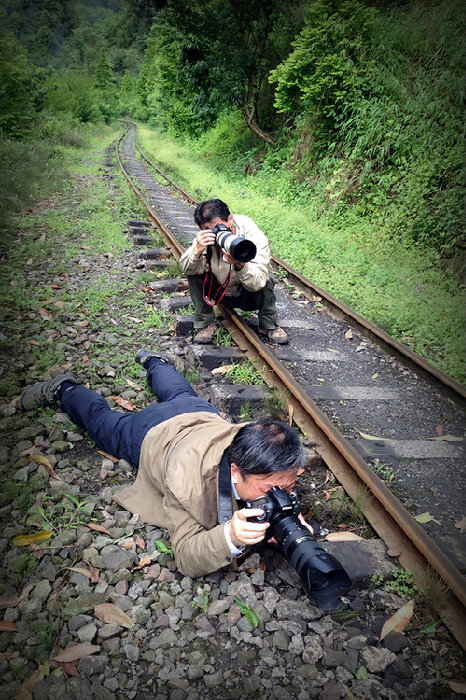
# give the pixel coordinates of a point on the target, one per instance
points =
(432, 626)
(361, 673)
(162, 547)
(248, 612)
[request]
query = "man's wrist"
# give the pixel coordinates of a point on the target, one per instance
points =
(234, 549)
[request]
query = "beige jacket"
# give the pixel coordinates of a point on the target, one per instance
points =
(176, 488)
(253, 276)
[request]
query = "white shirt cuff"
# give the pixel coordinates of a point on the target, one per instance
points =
(236, 551)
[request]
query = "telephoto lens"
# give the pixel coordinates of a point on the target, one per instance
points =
(322, 576)
(239, 248)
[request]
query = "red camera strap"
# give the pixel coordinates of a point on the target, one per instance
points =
(220, 293)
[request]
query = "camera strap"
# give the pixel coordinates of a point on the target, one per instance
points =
(208, 281)
(225, 509)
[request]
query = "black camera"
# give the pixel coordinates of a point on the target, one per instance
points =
(322, 576)
(240, 248)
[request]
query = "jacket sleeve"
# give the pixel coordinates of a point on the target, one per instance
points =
(255, 274)
(197, 550)
(189, 265)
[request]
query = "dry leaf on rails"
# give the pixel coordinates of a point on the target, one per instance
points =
(23, 540)
(398, 621)
(342, 536)
(97, 528)
(107, 612)
(7, 626)
(124, 403)
(145, 560)
(78, 651)
(40, 459)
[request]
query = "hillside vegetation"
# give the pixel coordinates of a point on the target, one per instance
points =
(338, 125)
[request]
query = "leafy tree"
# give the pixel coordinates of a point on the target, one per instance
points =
(219, 53)
(21, 91)
(330, 66)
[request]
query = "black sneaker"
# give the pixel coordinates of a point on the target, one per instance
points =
(44, 393)
(143, 357)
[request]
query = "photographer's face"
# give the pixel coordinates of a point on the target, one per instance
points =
(256, 485)
(209, 225)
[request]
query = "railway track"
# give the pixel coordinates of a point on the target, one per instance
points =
(371, 406)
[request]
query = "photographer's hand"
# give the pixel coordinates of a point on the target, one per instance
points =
(228, 258)
(204, 238)
(243, 532)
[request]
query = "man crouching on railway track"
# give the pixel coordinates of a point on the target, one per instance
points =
(177, 447)
(228, 262)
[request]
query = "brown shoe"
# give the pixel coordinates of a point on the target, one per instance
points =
(206, 335)
(274, 335)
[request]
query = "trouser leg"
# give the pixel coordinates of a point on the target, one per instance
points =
(121, 434)
(173, 390)
(114, 432)
(203, 313)
(263, 301)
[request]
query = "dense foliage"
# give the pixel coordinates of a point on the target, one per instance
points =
(355, 105)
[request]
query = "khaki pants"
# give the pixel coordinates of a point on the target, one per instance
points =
(263, 302)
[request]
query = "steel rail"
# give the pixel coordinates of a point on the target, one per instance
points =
(404, 537)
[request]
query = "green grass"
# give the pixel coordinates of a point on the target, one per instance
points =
(402, 289)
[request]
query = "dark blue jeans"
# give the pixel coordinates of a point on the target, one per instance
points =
(121, 434)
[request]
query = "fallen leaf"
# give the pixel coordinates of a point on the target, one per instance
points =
(32, 342)
(128, 544)
(222, 370)
(398, 621)
(25, 691)
(70, 669)
(458, 686)
(136, 320)
(374, 376)
(46, 315)
(349, 335)
(424, 518)
(92, 574)
(332, 350)
(124, 403)
(105, 454)
(53, 286)
(78, 651)
(45, 463)
(461, 524)
(320, 379)
(140, 542)
(23, 540)
(342, 536)
(366, 436)
(7, 626)
(8, 601)
(447, 438)
(97, 528)
(440, 429)
(107, 612)
(145, 560)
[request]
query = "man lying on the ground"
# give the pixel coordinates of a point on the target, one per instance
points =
(176, 446)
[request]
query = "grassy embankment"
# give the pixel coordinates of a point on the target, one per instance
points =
(402, 290)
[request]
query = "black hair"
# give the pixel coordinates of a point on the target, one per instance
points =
(266, 446)
(210, 209)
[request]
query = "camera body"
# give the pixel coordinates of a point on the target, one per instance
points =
(322, 576)
(239, 248)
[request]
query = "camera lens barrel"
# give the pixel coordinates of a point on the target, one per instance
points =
(322, 576)
(240, 249)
